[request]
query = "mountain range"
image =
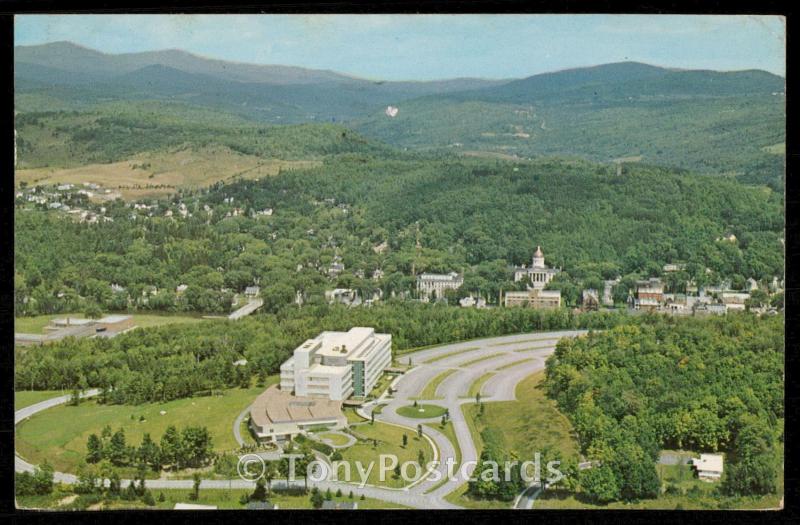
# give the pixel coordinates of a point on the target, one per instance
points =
(709, 121)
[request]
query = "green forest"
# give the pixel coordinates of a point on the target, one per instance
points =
(171, 362)
(479, 217)
(703, 385)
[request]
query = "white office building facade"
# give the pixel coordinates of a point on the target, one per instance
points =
(337, 365)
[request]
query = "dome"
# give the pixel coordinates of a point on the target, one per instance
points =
(538, 252)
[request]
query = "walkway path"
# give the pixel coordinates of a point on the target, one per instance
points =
(500, 387)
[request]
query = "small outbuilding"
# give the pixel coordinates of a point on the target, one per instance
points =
(708, 466)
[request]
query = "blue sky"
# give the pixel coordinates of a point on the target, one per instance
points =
(409, 47)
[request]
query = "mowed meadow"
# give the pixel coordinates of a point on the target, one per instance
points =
(59, 434)
(159, 173)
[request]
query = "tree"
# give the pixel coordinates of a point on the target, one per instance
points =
(94, 449)
(600, 484)
(117, 449)
(316, 498)
(260, 492)
(195, 494)
(421, 458)
(405, 440)
(419, 431)
(149, 453)
(171, 447)
(328, 495)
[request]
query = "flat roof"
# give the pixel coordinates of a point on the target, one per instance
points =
(279, 406)
(111, 319)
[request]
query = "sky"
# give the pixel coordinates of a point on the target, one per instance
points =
(428, 47)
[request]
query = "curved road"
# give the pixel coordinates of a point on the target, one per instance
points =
(470, 360)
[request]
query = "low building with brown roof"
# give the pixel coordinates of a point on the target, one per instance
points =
(277, 415)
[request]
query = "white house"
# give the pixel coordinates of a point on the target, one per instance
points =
(709, 466)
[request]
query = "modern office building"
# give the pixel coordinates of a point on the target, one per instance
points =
(337, 365)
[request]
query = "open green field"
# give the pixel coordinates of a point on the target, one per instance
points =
(526, 426)
(26, 398)
(37, 324)
(529, 425)
(60, 433)
(158, 173)
(421, 411)
(390, 442)
(429, 392)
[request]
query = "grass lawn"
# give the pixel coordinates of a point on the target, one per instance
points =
(527, 426)
(381, 385)
(421, 411)
(429, 392)
(37, 324)
(337, 439)
(450, 433)
(450, 354)
(60, 433)
(390, 442)
(460, 497)
(476, 386)
(352, 415)
(26, 398)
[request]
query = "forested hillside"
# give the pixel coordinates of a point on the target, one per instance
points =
(729, 123)
(711, 122)
(470, 215)
(701, 385)
(114, 132)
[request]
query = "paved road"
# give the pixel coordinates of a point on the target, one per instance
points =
(425, 493)
(528, 496)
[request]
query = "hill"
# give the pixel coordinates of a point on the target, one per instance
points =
(729, 123)
(714, 122)
(264, 92)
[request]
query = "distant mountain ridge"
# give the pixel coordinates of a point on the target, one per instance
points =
(729, 122)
